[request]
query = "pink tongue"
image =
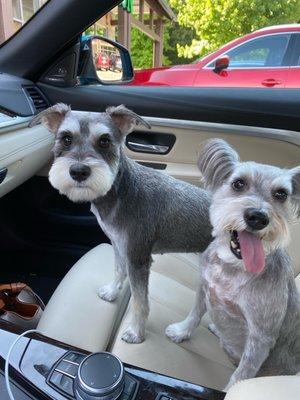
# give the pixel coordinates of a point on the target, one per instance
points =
(252, 252)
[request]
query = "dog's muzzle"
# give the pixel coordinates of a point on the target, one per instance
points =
(79, 172)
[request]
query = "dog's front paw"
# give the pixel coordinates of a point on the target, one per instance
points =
(108, 292)
(177, 332)
(131, 336)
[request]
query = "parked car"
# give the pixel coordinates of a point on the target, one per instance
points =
(103, 62)
(269, 57)
(115, 63)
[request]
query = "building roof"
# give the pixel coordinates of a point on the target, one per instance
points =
(167, 9)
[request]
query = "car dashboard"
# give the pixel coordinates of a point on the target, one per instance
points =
(23, 151)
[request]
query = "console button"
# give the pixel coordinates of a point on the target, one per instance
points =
(67, 368)
(62, 382)
(74, 357)
(66, 384)
(130, 385)
(55, 378)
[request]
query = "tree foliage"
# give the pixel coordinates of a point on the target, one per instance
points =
(174, 36)
(216, 22)
(142, 45)
(141, 49)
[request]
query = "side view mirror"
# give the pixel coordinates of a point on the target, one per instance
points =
(221, 63)
(102, 60)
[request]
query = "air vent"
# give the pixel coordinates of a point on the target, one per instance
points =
(36, 98)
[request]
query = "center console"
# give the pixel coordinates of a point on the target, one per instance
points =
(98, 376)
(42, 368)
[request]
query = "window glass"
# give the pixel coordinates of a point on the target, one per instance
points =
(17, 13)
(296, 57)
(28, 9)
(263, 52)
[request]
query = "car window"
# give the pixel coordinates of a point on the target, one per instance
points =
(296, 51)
(17, 13)
(263, 52)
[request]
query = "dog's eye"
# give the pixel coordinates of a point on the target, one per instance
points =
(238, 185)
(104, 142)
(67, 140)
(281, 195)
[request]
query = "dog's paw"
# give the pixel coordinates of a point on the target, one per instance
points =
(177, 332)
(108, 292)
(131, 336)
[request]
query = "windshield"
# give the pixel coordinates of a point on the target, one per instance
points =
(15, 13)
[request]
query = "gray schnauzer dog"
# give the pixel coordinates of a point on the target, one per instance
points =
(247, 280)
(141, 210)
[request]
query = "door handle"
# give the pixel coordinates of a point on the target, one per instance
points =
(147, 148)
(270, 82)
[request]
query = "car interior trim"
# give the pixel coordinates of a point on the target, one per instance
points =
(292, 137)
(14, 122)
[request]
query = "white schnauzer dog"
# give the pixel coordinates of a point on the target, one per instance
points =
(247, 279)
(141, 210)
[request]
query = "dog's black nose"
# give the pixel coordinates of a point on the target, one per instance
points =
(79, 172)
(256, 219)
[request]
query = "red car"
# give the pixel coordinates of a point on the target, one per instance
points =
(269, 57)
(102, 62)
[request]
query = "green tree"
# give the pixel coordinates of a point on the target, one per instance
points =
(142, 45)
(176, 36)
(141, 49)
(216, 22)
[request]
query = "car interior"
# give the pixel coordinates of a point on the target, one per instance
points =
(57, 247)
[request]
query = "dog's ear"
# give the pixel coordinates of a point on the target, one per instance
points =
(216, 162)
(52, 117)
(125, 119)
(295, 176)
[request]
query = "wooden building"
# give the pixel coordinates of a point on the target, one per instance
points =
(146, 15)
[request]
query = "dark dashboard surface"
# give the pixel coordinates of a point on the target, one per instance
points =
(13, 98)
(271, 108)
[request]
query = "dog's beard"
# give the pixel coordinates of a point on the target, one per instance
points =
(96, 185)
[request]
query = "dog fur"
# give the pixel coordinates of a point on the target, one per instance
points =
(141, 210)
(255, 315)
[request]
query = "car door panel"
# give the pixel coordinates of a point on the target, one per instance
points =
(256, 77)
(259, 62)
(259, 107)
(192, 115)
(181, 161)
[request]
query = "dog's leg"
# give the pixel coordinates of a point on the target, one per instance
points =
(256, 351)
(183, 330)
(111, 291)
(138, 278)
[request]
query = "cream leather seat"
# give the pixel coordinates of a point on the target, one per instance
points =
(76, 315)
